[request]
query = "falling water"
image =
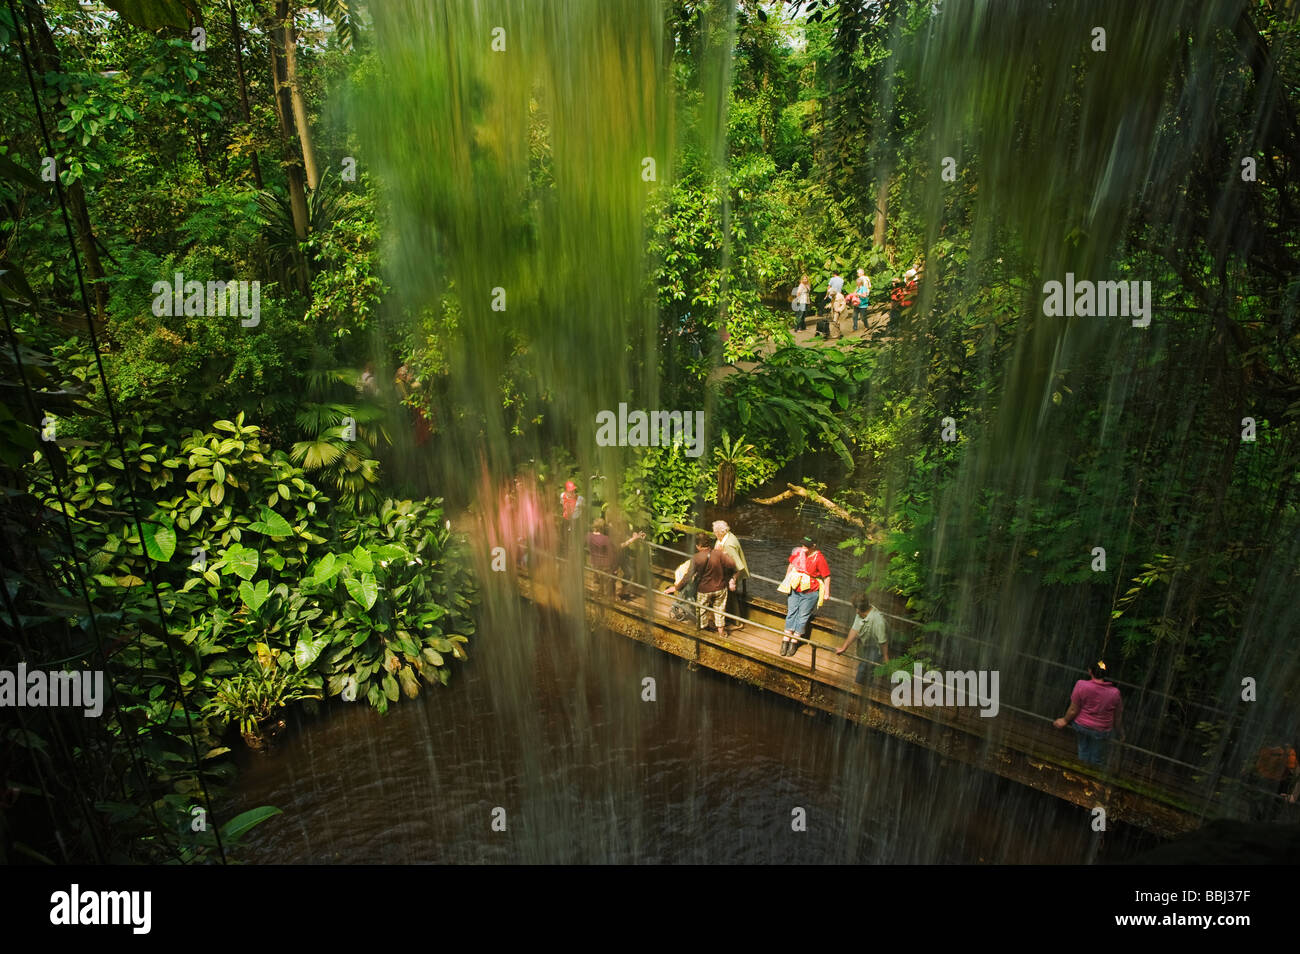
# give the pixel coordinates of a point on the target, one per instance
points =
(518, 147)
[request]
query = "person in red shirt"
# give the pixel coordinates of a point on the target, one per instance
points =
(807, 581)
(1097, 712)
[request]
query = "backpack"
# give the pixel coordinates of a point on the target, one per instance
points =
(687, 591)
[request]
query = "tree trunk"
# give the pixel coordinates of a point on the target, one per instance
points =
(293, 169)
(793, 490)
(726, 484)
(47, 60)
(295, 95)
(882, 213)
(237, 39)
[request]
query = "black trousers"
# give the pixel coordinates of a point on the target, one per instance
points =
(738, 601)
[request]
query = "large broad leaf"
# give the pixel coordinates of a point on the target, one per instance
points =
(151, 14)
(242, 561)
(326, 569)
(361, 559)
(255, 596)
(389, 552)
(159, 541)
(271, 524)
(306, 651)
(242, 823)
(365, 590)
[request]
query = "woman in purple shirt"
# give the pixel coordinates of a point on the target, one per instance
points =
(1096, 711)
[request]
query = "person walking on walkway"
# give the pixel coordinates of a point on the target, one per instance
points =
(808, 582)
(715, 575)
(1272, 774)
(610, 558)
(738, 601)
(839, 309)
(835, 286)
(862, 290)
(1096, 712)
(570, 511)
(869, 624)
(799, 302)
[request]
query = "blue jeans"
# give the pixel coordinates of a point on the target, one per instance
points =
(1092, 744)
(799, 609)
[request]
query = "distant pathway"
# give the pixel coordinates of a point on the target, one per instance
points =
(877, 322)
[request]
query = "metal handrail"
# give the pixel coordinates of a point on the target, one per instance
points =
(974, 639)
(695, 604)
(814, 646)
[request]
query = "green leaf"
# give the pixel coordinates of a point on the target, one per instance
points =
(242, 823)
(152, 14)
(365, 590)
(271, 524)
(241, 560)
(255, 596)
(390, 688)
(305, 652)
(159, 541)
(326, 569)
(389, 552)
(361, 559)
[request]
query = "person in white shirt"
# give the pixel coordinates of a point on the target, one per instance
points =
(799, 302)
(738, 602)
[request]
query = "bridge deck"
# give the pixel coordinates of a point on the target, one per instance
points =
(1021, 746)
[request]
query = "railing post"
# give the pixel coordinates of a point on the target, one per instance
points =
(814, 655)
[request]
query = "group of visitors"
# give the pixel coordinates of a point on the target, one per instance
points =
(715, 581)
(840, 305)
(716, 578)
(712, 587)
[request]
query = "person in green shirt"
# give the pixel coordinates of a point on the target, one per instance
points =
(870, 626)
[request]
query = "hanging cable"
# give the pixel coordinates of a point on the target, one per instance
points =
(116, 425)
(92, 829)
(132, 753)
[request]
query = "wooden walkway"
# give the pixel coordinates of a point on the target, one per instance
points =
(1021, 746)
(875, 327)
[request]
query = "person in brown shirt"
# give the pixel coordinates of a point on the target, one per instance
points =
(715, 575)
(607, 556)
